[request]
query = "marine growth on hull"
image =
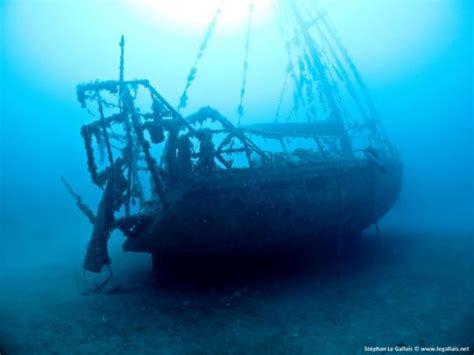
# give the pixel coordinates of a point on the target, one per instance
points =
(203, 182)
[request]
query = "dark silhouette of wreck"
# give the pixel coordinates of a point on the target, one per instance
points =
(200, 184)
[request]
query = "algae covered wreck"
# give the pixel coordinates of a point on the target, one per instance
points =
(175, 184)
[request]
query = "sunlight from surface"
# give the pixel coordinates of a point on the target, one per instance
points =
(387, 39)
(192, 14)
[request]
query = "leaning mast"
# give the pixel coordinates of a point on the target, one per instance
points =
(326, 85)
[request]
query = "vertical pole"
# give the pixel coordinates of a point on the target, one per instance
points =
(122, 49)
(105, 133)
(128, 128)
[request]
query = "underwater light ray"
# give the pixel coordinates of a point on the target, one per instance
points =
(193, 15)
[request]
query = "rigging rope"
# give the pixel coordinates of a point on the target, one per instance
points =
(345, 70)
(240, 108)
(303, 72)
(318, 64)
(281, 24)
(183, 101)
(310, 82)
(282, 94)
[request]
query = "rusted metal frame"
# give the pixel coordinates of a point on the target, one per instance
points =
(95, 98)
(222, 160)
(104, 130)
(97, 253)
(136, 177)
(231, 151)
(283, 145)
(101, 123)
(128, 134)
(145, 145)
(96, 177)
(331, 146)
(246, 148)
(267, 135)
(237, 132)
(320, 146)
(114, 87)
(217, 153)
(86, 210)
(253, 146)
(281, 137)
(215, 131)
(248, 154)
(228, 127)
(274, 135)
(175, 114)
(183, 121)
(225, 151)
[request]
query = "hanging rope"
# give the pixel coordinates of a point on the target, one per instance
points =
(280, 21)
(183, 101)
(312, 82)
(282, 94)
(240, 108)
(292, 47)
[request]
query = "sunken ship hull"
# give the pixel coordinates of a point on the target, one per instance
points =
(222, 189)
(202, 183)
(248, 210)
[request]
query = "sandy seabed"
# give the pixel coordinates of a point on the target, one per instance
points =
(409, 288)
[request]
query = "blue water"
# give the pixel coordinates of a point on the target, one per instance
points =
(416, 58)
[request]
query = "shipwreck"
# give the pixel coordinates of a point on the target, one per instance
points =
(175, 184)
